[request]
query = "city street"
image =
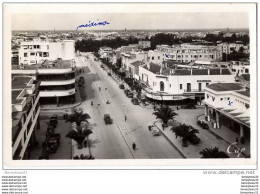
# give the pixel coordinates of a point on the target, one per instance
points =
(115, 141)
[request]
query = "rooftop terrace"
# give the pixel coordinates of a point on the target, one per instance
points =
(47, 64)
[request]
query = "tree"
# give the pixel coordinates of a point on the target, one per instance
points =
(165, 113)
(241, 49)
(187, 133)
(213, 153)
(79, 133)
(78, 116)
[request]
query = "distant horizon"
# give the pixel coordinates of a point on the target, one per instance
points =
(123, 29)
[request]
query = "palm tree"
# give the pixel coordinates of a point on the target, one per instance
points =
(79, 133)
(187, 133)
(213, 153)
(165, 113)
(78, 116)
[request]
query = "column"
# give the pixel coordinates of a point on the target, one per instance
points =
(57, 101)
(206, 111)
(217, 119)
(241, 130)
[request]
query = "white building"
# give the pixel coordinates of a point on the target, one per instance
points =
(144, 43)
(178, 84)
(25, 113)
(35, 52)
(187, 52)
(230, 102)
(240, 67)
(57, 79)
(105, 52)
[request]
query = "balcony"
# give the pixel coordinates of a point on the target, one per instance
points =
(57, 93)
(194, 91)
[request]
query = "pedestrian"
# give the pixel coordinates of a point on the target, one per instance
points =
(64, 116)
(125, 118)
(134, 146)
(99, 88)
(91, 103)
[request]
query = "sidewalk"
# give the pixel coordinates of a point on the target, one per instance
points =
(209, 139)
(227, 134)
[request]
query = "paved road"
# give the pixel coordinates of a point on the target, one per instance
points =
(114, 141)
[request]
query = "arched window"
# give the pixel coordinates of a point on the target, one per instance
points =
(161, 86)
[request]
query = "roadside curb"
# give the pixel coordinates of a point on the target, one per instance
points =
(168, 139)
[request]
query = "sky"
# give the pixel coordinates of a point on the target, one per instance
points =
(120, 21)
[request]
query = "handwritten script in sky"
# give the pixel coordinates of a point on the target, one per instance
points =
(92, 24)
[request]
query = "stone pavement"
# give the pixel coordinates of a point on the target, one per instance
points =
(208, 138)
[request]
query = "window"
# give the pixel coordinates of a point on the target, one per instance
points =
(35, 46)
(221, 99)
(170, 85)
(32, 54)
(180, 86)
(48, 47)
(246, 70)
(152, 58)
(158, 57)
(162, 86)
(207, 84)
(25, 54)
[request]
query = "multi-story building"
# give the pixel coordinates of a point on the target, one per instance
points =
(25, 113)
(240, 67)
(105, 52)
(188, 52)
(225, 48)
(231, 106)
(168, 84)
(144, 43)
(57, 79)
(36, 52)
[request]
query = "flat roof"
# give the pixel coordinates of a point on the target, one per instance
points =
(20, 82)
(15, 94)
(245, 93)
(55, 64)
(225, 86)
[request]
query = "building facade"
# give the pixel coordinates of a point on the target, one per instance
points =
(31, 53)
(57, 80)
(187, 52)
(167, 84)
(25, 113)
(230, 103)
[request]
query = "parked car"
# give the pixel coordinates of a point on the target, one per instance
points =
(107, 119)
(126, 91)
(135, 101)
(121, 86)
(130, 94)
(54, 120)
(188, 106)
(202, 124)
(109, 74)
(155, 131)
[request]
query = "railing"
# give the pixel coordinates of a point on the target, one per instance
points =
(194, 90)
